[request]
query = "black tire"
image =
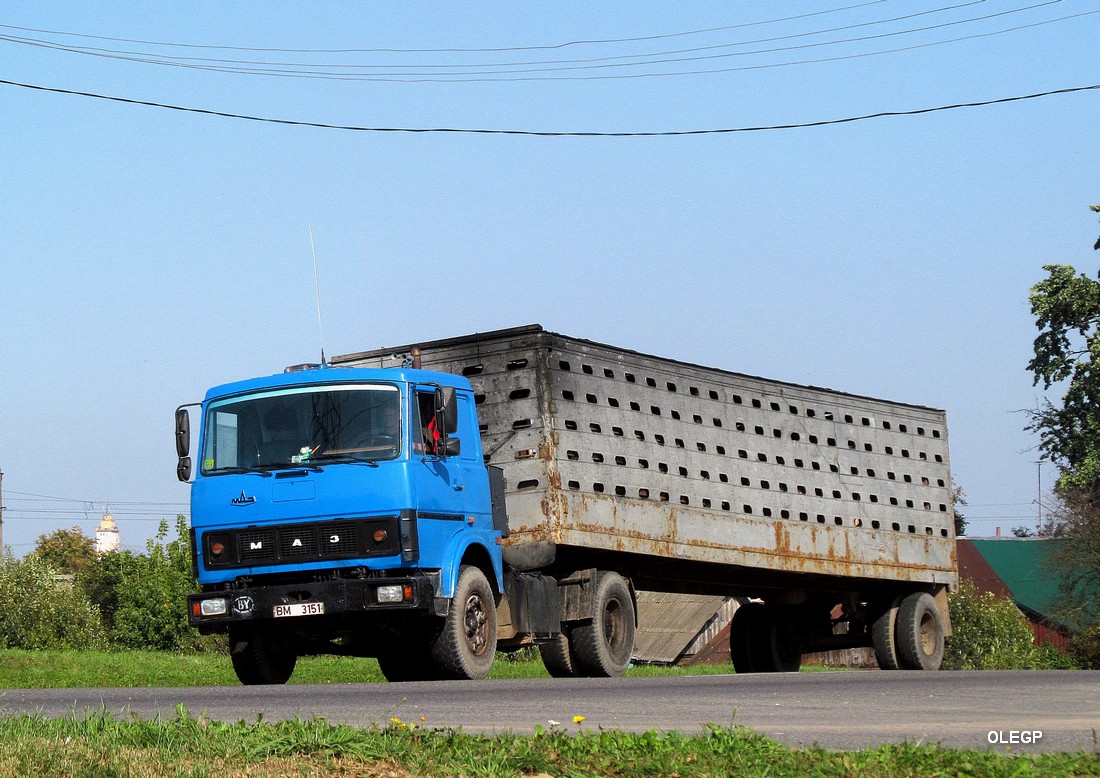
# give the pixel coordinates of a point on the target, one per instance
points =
(883, 639)
(466, 647)
(919, 633)
(761, 641)
(557, 656)
(604, 646)
(260, 657)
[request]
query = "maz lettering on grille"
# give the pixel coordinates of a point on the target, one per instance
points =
(259, 544)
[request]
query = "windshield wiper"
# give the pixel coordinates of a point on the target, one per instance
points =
(343, 459)
(238, 470)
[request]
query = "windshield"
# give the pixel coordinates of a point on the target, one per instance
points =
(294, 427)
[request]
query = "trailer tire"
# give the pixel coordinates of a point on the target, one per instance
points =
(919, 633)
(604, 646)
(557, 656)
(259, 657)
(466, 647)
(883, 637)
(762, 642)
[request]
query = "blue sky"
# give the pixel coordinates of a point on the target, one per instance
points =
(150, 253)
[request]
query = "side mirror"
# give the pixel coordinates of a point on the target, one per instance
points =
(183, 469)
(446, 409)
(183, 432)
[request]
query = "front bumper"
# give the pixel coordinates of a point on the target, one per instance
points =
(296, 602)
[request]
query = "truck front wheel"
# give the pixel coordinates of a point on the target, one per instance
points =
(604, 646)
(466, 647)
(259, 656)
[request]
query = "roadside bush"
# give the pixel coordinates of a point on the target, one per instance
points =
(42, 612)
(1085, 648)
(990, 633)
(149, 597)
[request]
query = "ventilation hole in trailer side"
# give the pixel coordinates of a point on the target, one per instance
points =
(783, 487)
(620, 491)
(851, 444)
(517, 364)
(837, 520)
(873, 497)
(803, 517)
(745, 481)
(765, 485)
(704, 474)
(836, 494)
(522, 424)
(811, 413)
(725, 505)
(924, 481)
(856, 496)
(857, 522)
(650, 382)
(701, 446)
(737, 399)
(875, 524)
(815, 465)
(935, 433)
(570, 424)
(597, 488)
(621, 461)
(819, 492)
(597, 458)
(922, 456)
(472, 370)
(896, 527)
(572, 455)
(865, 421)
(664, 496)
(762, 457)
(870, 473)
(939, 458)
(820, 518)
(724, 478)
(529, 483)
(905, 453)
(563, 365)
(928, 506)
(889, 450)
(712, 394)
(659, 439)
(479, 399)
(902, 428)
(483, 428)
(716, 422)
(697, 418)
(795, 436)
(855, 471)
(784, 514)
(608, 373)
(683, 471)
(720, 450)
(617, 431)
(679, 443)
(831, 441)
(940, 482)
(891, 475)
(746, 509)
(908, 503)
(595, 427)
(739, 426)
(800, 489)
(792, 409)
(828, 415)
(655, 410)
(693, 391)
(893, 500)
(912, 530)
(812, 439)
(908, 479)
(643, 463)
(634, 406)
(868, 447)
(575, 485)
(799, 463)
(639, 434)
(920, 430)
(943, 533)
(662, 467)
(675, 415)
(886, 425)
(848, 419)
(706, 502)
(586, 369)
(834, 468)
(684, 500)
(929, 531)
(943, 508)
(612, 402)
(643, 494)
(591, 398)
(766, 512)
(742, 453)
(670, 386)
(629, 378)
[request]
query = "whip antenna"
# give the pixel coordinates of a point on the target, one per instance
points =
(317, 294)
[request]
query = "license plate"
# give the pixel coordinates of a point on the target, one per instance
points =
(300, 609)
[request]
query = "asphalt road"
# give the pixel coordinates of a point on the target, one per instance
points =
(841, 710)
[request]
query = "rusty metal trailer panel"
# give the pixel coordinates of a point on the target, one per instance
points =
(612, 450)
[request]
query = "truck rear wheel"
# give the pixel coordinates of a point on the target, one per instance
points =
(763, 642)
(557, 656)
(604, 646)
(919, 633)
(883, 637)
(466, 647)
(259, 657)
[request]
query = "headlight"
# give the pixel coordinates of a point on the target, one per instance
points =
(390, 593)
(214, 607)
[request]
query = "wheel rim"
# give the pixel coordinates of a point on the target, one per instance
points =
(928, 632)
(476, 622)
(614, 625)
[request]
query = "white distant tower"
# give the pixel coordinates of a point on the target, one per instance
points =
(106, 535)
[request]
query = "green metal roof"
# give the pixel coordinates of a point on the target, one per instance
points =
(1023, 564)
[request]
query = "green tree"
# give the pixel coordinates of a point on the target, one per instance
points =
(990, 633)
(67, 551)
(42, 612)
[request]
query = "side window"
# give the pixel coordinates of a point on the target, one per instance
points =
(423, 430)
(467, 429)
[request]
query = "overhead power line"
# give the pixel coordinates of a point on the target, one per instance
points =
(547, 133)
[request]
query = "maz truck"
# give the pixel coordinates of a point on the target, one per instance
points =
(430, 505)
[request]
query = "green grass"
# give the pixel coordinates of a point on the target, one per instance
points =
(100, 745)
(92, 669)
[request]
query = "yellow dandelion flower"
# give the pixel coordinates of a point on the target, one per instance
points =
(578, 719)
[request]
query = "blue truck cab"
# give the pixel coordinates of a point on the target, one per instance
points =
(345, 510)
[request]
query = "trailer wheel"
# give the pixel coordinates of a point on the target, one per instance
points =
(883, 638)
(604, 646)
(259, 657)
(557, 656)
(919, 633)
(761, 641)
(466, 647)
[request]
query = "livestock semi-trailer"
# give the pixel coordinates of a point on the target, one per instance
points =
(433, 503)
